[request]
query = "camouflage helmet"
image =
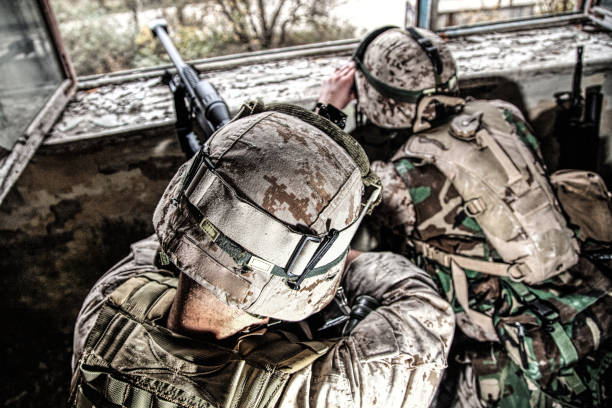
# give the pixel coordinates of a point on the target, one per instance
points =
(396, 68)
(263, 215)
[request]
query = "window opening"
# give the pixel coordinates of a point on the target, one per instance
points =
(31, 71)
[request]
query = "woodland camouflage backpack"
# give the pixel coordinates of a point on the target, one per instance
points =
(490, 229)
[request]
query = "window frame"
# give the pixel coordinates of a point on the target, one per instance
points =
(426, 13)
(600, 15)
(13, 164)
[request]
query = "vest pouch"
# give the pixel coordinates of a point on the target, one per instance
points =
(587, 202)
(498, 380)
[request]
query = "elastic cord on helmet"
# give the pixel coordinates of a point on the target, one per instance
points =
(400, 94)
(316, 254)
(305, 255)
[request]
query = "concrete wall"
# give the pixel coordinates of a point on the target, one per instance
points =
(74, 213)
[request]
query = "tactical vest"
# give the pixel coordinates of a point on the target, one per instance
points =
(131, 360)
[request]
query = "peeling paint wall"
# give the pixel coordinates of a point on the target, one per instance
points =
(527, 67)
(72, 215)
(68, 196)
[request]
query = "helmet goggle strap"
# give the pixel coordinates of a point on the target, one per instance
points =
(399, 94)
(225, 217)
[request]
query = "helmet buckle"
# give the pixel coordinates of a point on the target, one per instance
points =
(294, 280)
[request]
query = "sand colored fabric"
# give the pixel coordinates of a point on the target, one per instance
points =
(276, 176)
(395, 58)
(393, 358)
(502, 187)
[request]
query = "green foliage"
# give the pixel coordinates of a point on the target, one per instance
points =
(110, 35)
(327, 31)
(96, 43)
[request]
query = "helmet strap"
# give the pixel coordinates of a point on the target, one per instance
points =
(400, 94)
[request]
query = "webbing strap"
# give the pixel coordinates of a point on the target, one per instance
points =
(242, 256)
(564, 344)
(117, 392)
(515, 179)
(246, 223)
(551, 317)
(574, 382)
(445, 259)
(461, 293)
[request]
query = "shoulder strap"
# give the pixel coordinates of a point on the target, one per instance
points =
(147, 296)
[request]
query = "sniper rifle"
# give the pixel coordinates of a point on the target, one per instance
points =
(200, 110)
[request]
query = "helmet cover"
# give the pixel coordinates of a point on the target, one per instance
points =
(275, 178)
(395, 58)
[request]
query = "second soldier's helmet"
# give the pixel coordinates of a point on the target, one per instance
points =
(396, 69)
(263, 215)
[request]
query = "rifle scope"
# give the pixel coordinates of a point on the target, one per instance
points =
(203, 94)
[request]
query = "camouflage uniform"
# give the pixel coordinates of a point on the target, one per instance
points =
(547, 335)
(394, 357)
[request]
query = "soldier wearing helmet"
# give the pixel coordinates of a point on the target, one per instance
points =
(252, 239)
(466, 195)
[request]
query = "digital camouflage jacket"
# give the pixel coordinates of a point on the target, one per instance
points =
(394, 357)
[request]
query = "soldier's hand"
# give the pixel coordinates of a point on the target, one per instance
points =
(338, 88)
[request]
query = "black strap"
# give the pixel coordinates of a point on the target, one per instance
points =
(331, 113)
(430, 49)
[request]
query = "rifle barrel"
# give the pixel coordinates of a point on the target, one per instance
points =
(576, 85)
(188, 76)
(159, 29)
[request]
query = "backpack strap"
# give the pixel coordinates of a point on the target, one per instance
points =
(461, 293)
(550, 317)
(488, 267)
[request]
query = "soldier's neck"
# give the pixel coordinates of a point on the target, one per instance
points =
(196, 312)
